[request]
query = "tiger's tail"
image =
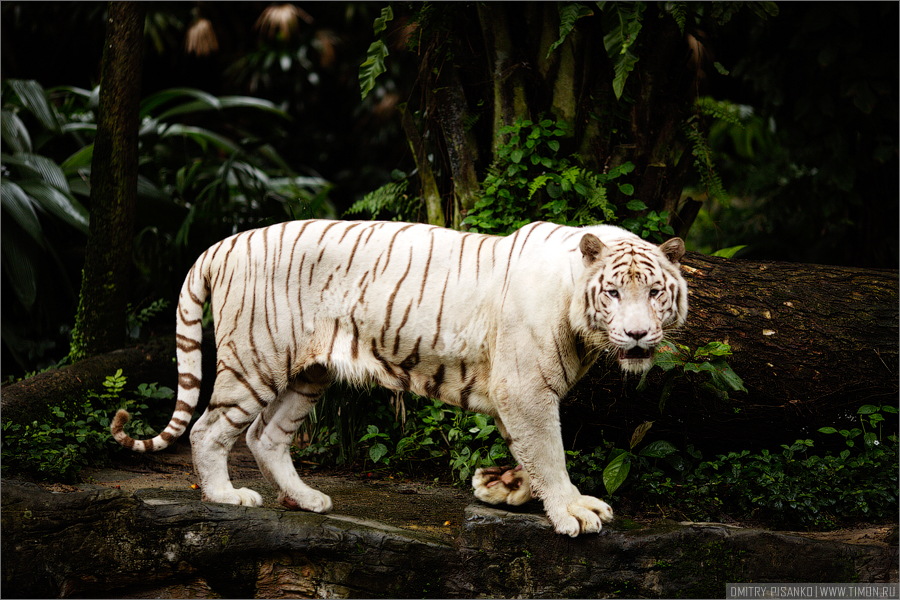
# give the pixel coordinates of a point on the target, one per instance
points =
(188, 336)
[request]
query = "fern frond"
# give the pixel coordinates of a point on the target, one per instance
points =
(539, 182)
(678, 10)
(703, 159)
(722, 110)
(571, 174)
(621, 25)
(386, 198)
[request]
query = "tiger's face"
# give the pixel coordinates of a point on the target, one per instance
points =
(634, 292)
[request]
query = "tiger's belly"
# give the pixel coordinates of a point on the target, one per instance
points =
(459, 379)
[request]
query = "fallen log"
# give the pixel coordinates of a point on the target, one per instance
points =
(812, 344)
(167, 544)
(27, 400)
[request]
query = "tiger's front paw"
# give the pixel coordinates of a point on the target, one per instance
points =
(230, 495)
(311, 500)
(499, 485)
(584, 514)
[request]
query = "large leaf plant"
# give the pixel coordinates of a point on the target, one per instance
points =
(208, 169)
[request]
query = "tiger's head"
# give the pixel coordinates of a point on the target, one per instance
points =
(632, 292)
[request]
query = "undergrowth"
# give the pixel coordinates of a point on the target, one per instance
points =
(791, 486)
(74, 434)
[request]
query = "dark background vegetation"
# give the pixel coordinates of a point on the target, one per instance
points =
(810, 177)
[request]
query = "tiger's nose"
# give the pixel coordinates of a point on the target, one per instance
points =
(636, 335)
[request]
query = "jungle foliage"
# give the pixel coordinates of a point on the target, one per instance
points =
(771, 127)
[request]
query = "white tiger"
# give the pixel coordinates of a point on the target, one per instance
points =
(499, 325)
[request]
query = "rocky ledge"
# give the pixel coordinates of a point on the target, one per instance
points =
(160, 543)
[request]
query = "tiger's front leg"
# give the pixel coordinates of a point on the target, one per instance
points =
(535, 440)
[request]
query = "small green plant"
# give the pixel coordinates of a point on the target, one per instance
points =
(529, 181)
(868, 413)
(134, 321)
(653, 224)
(75, 433)
(621, 460)
(418, 434)
(437, 431)
(676, 360)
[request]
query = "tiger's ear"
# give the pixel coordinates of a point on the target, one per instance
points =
(591, 249)
(673, 249)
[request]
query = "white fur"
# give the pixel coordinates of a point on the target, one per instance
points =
(503, 326)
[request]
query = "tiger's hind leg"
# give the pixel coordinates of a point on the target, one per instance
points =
(270, 436)
(234, 405)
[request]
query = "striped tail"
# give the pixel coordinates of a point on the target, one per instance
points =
(188, 336)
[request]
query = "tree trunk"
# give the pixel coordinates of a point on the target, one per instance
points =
(812, 343)
(487, 65)
(100, 322)
(430, 191)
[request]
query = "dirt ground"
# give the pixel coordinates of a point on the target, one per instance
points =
(407, 504)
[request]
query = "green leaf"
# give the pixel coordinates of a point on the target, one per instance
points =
(33, 98)
(516, 156)
(628, 190)
(201, 136)
(723, 377)
(867, 409)
(19, 267)
(254, 103)
(377, 452)
(713, 349)
(40, 166)
(658, 449)
(668, 356)
(728, 252)
(151, 102)
(59, 203)
(621, 24)
(569, 12)
(79, 160)
(635, 205)
(209, 102)
(18, 205)
(13, 132)
(373, 66)
(616, 472)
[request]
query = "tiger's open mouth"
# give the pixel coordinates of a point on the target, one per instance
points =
(636, 353)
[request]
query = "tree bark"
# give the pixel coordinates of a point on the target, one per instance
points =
(462, 149)
(812, 343)
(509, 96)
(429, 185)
(100, 322)
(169, 544)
